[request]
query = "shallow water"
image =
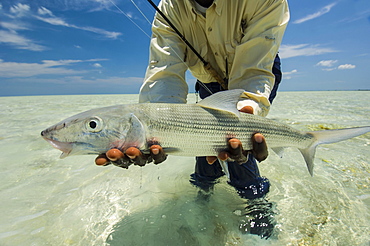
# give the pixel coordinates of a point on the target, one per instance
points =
(49, 201)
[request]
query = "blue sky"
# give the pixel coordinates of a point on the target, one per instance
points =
(101, 46)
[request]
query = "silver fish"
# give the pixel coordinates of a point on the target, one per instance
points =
(200, 129)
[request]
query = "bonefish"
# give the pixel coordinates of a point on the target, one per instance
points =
(200, 129)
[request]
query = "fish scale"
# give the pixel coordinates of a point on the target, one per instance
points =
(212, 128)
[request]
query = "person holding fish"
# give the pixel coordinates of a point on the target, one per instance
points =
(226, 45)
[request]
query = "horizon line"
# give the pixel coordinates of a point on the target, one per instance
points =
(190, 92)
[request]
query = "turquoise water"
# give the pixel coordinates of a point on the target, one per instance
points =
(49, 201)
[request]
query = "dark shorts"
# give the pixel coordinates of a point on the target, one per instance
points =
(245, 177)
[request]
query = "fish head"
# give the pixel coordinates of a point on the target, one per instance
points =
(90, 132)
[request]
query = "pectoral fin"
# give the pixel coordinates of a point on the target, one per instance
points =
(136, 134)
(223, 101)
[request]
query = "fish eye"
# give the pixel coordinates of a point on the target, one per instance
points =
(94, 124)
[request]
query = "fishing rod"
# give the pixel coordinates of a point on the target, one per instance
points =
(207, 65)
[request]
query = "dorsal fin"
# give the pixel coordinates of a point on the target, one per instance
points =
(224, 101)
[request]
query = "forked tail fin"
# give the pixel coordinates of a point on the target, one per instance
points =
(329, 136)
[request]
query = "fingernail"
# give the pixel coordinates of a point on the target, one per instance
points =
(114, 154)
(211, 159)
(132, 152)
(101, 161)
(223, 156)
(234, 144)
(258, 138)
(155, 151)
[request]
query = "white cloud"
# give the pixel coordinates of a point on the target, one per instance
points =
(75, 80)
(346, 66)
(20, 10)
(130, 15)
(329, 69)
(56, 21)
(287, 75)
(107, 34)
(363, 54)
(327, 63)
(44, 11)
(319, 13)
(14, 26)
(97, 65)
(46, 67)
(291, 72)
(288, 51)
(357, 16)
(18, 41)
(14, 69)
(53, 21)
(106, 81)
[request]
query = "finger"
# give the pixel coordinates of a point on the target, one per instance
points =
(133, 152)
(259, 138)
(235, 151)
(211, 159)
(259, 144)
(223, 156)
(155, 149)
(137, 157)
(247, 109)
(157, 153)
(114, 154)
(118, 159)
(102, 160)
(235, 147)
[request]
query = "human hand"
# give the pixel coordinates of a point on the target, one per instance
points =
(132, 155)
(235, 149)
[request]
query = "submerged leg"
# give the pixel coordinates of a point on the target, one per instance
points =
(258, 217)
(205, 176)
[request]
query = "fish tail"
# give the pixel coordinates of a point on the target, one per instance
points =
(327, 137)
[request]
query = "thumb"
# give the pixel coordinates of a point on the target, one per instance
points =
(247, 109)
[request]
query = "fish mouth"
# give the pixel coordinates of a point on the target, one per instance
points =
(65, 147)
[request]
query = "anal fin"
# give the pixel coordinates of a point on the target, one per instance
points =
(279, 151)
